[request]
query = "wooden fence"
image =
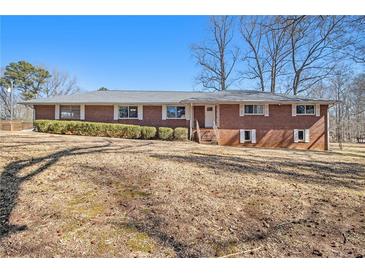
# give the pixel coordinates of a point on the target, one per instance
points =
(15, 125)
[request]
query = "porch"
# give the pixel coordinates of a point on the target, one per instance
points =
(204, 123)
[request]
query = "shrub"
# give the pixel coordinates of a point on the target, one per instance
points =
(181, 134)
(41, 125)
(148, 132)
(165, 133)
(88, 128)
(110, 130)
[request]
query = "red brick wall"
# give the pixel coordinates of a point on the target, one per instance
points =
(199, 114)
(99, 113)
(44, 112)
(152, 116)
(276, 130)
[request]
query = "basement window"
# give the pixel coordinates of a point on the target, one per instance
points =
(128, 112)
(247, 136)
(69, 112)
(301, 135)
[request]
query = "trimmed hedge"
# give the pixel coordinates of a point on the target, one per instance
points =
(165, 133)
(148, 132)
(89, 129)
(109, 130)
(181, 134)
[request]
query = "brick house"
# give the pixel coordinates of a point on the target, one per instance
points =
(236, 118)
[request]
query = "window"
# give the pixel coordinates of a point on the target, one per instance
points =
(126, 112)
(70, 112)
(175, 112)
(301, 136)
(254, 109)
(305, 109)
(248, 136)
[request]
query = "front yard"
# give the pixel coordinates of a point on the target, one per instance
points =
(73, 196)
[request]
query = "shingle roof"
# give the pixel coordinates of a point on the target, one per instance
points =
(169, 97)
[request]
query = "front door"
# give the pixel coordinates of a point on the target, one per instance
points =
(209, 116)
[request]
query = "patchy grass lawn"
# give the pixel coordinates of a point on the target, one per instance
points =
(73, 196)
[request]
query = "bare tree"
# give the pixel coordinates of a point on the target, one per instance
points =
(339, 84)
(357, 91)
(59, 84)
(252, 30)
(217, 57)
(267, 41)
(314, 40)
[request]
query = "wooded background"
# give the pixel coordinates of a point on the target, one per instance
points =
(310, 56)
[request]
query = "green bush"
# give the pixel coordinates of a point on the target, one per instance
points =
(181, 133)
(165, 133)
(109, 130)
(88, 128)
(148, 132)
(41, 125)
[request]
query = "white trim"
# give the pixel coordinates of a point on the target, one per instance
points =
(266, 110)
(242, 110)
(242, 136)
(306, 136)
(253, 136)
(293, 110)
(164, 112)
(140, 112)
(296, 139)
(187, 112)
(305, 114)
(116, 112)
(243, 113)
(130, 118)
(318, 110)
(57, 112)
(82, 112)
(205, 116)
(174, 118)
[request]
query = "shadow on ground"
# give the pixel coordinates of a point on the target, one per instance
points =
(11, 180)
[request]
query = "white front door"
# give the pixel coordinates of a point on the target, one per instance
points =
(209, 115)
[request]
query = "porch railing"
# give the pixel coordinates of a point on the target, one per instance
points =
(216, 132)
(198, 131)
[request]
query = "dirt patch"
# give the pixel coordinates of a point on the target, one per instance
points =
(73, 196)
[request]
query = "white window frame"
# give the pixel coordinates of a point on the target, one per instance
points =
(252, 136)
(254, 113)
(127, 118)
(265, 110)
(69, 105)
(175, 118)
(305, 110)
(306, 136)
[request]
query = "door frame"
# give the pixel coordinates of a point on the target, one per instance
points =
(205, 116)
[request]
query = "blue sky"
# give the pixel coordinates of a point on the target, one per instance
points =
(118, 52)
